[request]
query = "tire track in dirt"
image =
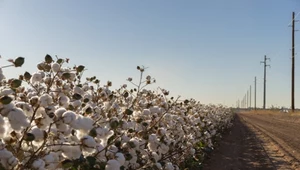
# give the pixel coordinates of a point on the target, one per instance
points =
(281, 135)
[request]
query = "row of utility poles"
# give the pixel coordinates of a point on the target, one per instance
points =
(246, 101)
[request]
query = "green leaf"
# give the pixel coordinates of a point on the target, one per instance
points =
(59, 61)
(66, 75)
(15, 83)
(76, 96)
(131, 144)
(27, 76)
(91, 160)
(128, 156)
(131, 130)
(29, 137)
(126, 94)
(67, 163)
(48, 59)
(89, 110)
(19, 61)
(1, 167)
(86, 100)
(114, 124)
(71, 107)
(93, 132)
(5, 99)
(80, 68)
(128, 112)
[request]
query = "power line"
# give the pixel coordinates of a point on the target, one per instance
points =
(294, 18)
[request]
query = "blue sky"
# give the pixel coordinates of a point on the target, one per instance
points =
(207, 50)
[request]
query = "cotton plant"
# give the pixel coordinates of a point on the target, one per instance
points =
(53, 119)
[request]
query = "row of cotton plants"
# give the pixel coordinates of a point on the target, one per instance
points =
(53, 119)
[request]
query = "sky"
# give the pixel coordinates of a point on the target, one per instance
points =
(206, 50)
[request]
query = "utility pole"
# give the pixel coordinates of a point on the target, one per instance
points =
(250, 97)
(255, 93)
(265, 80)
(293, 63)
(247, 95)
(245, 99)
(243, 103)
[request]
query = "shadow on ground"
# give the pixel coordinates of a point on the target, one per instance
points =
(239, 150)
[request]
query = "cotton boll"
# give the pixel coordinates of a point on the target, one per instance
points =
(49, 158)
(5, 154)
(146, 112)
(155, 156)
(111, 152)
(112, 165)
(84, 123)
(38, 133)
(164, 149)
(76, 103)
(64, 101)
(113, 149)
(1, 120)
(155, 109)
(55, 67)
(71, 152)
(36, 78)
(78, 90)
(135, 165)
(42, 74)
(135, 143)
(5, 109)
(158, 165)
(89, 141)
(59, 112)
(125, 138)
(2, 131)
(169, 166)
(162, 131)
(152, 138)
(101, 155)
(69, 116)
(85, 87)
(192, 151)
(62, 127)
(12, 161)
(17, 119)
(26, 108)
(45, 100)
(136, 114)
(101, 131)
(120, 157)
(39, 163)
(6, 92)
(72, 76)
(152, 146)
(2, 77)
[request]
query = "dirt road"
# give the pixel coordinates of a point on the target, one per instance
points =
(259, 141)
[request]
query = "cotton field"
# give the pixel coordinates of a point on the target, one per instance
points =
(53, 119)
